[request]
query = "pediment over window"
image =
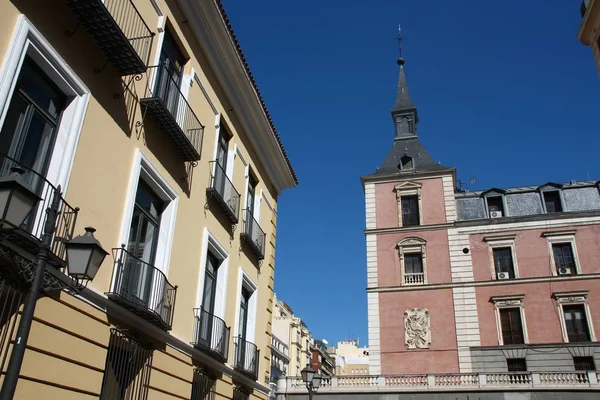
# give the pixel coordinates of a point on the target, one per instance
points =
(411, 241)
(494, 191)
(408, 186)
(550, 186)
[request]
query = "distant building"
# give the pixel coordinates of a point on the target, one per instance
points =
(322, 361)
(589, 30)
(350, 359)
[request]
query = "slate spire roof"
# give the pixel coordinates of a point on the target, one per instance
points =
(407, 154)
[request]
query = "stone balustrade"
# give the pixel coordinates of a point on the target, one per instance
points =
(499, 381)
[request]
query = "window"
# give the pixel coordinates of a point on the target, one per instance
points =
(243, 317)
(516, 364)
(512, 328)
(408, 196)
(495, 206)
(170, 72)
(576, 323)
(127, 369)
(584, 363)
(503, 263)
(406, 162)
(552, 201)
(251, 198)
(32, 119)
(222, 147)
(210, 283)
(410, 211)
(563, 258)
(238, 394)
(413, 266)
(203, 386)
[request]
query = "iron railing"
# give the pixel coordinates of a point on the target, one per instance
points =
(203, 386)
(172, 113)
(11, 300)
(211, 334)
(127, 369)
(578, 337)
(143, 288)
(246, 357)
(120, 31)
(253, 235)
(223, 191)
(29, 235)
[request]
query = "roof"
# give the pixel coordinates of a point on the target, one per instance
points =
(254, 84)
(524, 189)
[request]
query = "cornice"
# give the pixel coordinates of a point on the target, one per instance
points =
(212, 34)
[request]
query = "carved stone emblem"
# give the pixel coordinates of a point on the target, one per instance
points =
(417, 329)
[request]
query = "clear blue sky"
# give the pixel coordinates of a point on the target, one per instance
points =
(505, 92)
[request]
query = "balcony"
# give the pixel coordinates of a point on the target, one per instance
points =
(119, 30)
(253, 235)
(211, 334)
(578, 337)
(417, 278)
(280, 348)
(172, 114)
(246, 357)
(222, 191)
(143, 289)
(21, 245)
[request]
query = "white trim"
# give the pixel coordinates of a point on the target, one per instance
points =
(530, 225)
(566, 238)
(510, 301)
(143, 169)
(27, 40)
(502, 242)
(245, 280)
(217, 134)
(370, 206)
(219, 251)
(573, 298)
(161, 16)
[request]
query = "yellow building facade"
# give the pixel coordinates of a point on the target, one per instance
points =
(589, 30)
(144, 115)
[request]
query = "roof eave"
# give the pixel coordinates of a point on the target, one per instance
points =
(209, 23)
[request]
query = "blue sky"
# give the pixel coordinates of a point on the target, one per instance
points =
(505, 92)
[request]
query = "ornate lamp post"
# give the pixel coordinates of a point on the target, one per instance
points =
(84, 254)
(312, 379)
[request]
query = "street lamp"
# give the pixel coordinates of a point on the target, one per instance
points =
(16, 199)
(312, 379)
(84, 255)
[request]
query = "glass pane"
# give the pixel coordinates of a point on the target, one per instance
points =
(208, 295)
(36, 146)
(148, 201)
(37, 85)
(13, 124)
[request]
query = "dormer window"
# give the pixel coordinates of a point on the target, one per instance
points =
(406, 162)
(495, 206)
(552, 201)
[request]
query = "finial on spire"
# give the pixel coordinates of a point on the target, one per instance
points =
(400, 59)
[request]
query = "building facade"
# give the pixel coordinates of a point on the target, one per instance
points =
(140, 118)
(350, 359)
(589, 30)
(321, 360)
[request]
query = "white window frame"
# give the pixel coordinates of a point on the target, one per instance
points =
(244, 280)
(495, 193)
(573, 298)
(412, 245)
(562, 237)
(496, 242)
(143, 169)
(409, 189)
(509, 301)
(27, 40)
(210, 243)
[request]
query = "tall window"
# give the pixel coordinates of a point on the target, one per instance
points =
(563, 258)
(252, 183)
(503, 262)
(495, 205)
(410, 210)
(170, 71)
(576, 323)
(243, 320)
(552, 201)
(512, 327)
(210, 283)
(222, 148)
(127, 369)
(413, 268)
(203, 386)
(31, 122)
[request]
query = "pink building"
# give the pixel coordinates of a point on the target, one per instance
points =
(492, 281)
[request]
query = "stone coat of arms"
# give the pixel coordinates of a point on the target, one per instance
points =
(417, 329)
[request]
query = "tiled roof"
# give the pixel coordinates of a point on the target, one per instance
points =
(254, 84)
(523, 189)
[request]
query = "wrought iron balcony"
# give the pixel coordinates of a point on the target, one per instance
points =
(578, 337)
(143, 289)
(22, 244)
(211, 334)
(253, 235)
(223, 192)
(119, 30)
(246, 357)
(172, 114)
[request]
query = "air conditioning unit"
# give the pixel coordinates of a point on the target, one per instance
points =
(564, 271)
(503, 275)
(495, 214)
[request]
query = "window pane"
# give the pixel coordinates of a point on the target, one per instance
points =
(410, 210)
(576, 323)
(512, 329)
(413, 263)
